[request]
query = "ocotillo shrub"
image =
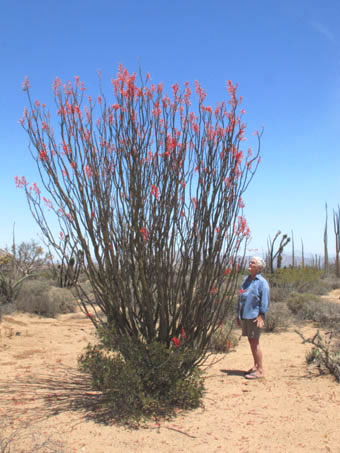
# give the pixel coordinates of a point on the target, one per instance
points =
(147, 189)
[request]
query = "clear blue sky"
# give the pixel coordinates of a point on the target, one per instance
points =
(284, 55)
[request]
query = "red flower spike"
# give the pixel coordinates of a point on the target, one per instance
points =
(26, 84)
(175, 341)
(145, 233)
(155, 191)
(43, 156)
(20, 182)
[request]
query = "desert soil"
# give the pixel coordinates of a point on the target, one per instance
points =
(42, 398)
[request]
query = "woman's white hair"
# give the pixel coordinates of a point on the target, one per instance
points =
(259, 261)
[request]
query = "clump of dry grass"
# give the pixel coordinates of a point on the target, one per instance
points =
(18, 441)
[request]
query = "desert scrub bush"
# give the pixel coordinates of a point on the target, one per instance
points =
(298, 303)
(225, 338)
(9, 288)
(313, 308)
(325, 353)
(278, 317)
(332, 281)
(150, 383)
(40, 298)
(299, 279)
(278, 294)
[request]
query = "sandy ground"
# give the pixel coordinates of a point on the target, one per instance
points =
(42, 397)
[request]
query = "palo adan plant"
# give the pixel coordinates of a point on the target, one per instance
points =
(147, 189)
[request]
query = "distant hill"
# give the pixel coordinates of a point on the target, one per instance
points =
(309, 259)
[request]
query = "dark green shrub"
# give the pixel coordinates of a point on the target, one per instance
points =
(151, 382)
(38, 297)
(278, 317)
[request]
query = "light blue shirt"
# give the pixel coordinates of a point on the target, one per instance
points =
(253, 299)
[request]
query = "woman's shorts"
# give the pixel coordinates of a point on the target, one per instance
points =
(250, 329)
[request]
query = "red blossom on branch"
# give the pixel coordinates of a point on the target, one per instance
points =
(43, 156)
(155, 191)
(47, 202)
(145, 233)
(26, 84)
(88, 171)
(20, 182)
(175, 341)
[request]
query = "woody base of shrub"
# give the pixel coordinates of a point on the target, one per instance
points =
(151, 382)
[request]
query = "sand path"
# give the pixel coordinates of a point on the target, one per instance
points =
(42, 394)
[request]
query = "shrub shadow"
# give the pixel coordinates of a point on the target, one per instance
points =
(33, 398)
(233, 372)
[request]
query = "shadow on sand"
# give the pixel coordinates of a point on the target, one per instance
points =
(34, 398)
(233, 372)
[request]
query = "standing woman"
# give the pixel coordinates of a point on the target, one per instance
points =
(253, 304)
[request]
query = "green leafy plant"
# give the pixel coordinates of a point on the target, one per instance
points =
(148, 381)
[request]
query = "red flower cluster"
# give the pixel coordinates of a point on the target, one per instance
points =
(175, 341)
(144, 233)
(155, 191)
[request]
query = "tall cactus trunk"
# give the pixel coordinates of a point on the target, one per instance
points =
(278, 254)
(14, 253)
(293, 251)
(325, 242)
(336, 220)
(302, 255)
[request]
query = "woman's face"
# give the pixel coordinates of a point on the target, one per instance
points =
(253, 267)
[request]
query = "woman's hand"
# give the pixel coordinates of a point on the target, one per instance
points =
(259, 321)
